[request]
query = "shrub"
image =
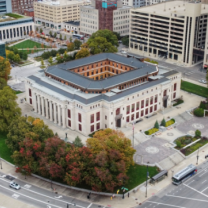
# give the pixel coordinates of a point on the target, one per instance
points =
(178, 143)
(152, 131)
(183, 151)
(168, 123)
(187, 141)
(146, 132)
(199, 112)
(156, 125)
(163, 122)
(203, 105)
(173, 120)
(179, 101)
(197, 133)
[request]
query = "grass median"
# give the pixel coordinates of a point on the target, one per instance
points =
(195, 89)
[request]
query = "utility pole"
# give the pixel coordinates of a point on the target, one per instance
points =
(147, 179)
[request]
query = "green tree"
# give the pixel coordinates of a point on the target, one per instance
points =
(70, 46)
(125, 41)
(41, 30)
(60, 36)
(77, 44)
(117, 35)
(163, 122)
(65, 37)
(17, 58)
(100, 45)
(157, 126)
(197, 133)
(50, 33)
(9, 110)
(82, 53)
(3, 83)
(24, 55)
(5, 68)
(65, 56)
(78, 142)
(70, 39)
(50, 60)
(54, 35)
(36, 29)
(42, 64)
(107, 34)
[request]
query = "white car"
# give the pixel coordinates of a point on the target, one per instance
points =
(14, 185)
(124, 52)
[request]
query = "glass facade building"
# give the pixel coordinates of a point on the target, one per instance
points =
(5, 6)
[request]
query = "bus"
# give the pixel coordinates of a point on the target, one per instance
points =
(182, 175)
(81, 37)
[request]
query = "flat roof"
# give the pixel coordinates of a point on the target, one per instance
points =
(77, 23)
(167, 8)
(62, 2)
(63, 71)
(12, 17)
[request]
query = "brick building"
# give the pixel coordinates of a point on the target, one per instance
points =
(75, 96)
(29, 13)
(19, 6)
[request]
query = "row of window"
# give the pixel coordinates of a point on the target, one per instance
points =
(92, 117)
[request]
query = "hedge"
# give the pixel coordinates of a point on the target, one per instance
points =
(170, 122)
(199, 112)
(179, 101)
(151, 131)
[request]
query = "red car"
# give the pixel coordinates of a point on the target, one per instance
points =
(43, 33)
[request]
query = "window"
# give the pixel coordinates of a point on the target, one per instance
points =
(142, 104)
(137, 115)
(106, 126)
(105, 117)
(69, 123)
(150, 109)
(97, 116)
(175, 86)
(132, 107)
(31, 101)
(155, 108)
(146, 111)
(155, 98)
(174, 95)
(117, 111)
(92, 128)
(142, 113)
(128, 109)
(137, 105)
(80, 127)
(30, 93)
(127, 119)
(147, 101)
(132, 117)
(79, 117)
(69, 113)
(165, 93)
(97, 126)
(92, 118)
(151, 100)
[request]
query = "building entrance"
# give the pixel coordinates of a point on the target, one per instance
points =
(165, 103)
(118, 123)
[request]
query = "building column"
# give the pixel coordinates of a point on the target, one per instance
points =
(42, 105)
(38, 104)
(46, 108)
(35, 102)
(63, 117)
(54, 110)
(59, 115)
(50, 106)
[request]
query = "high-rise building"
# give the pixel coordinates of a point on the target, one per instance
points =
(108, 14)
(18, 6)
(173, 30)
(5, 6)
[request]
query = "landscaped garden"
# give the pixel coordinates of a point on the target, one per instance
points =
(178, 102)
(199, 112)
(184, 143)
(195, 89)
(27, 44)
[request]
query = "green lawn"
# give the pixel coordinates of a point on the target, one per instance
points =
(27, 44)
(14, 15)
(4, 150)
(195, 89)
(17, 92)
(137, 175)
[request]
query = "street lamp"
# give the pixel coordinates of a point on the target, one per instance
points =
(66, 137)
(147, 178)
(197, 157)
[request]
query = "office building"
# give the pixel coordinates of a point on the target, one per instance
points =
(5, 6)
(14, 27)
(141, 3)
(53, 14)
(73, 27)
(111, 15)
(19, 6)
(173, 30)
(101, 91)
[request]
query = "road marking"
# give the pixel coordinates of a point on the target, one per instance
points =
(204, 181)
(44, 195)
(187, 198)
(15, 196)
(29, 197)
(58, 197)
(204, 189)
(27, 186)
(202, 174)
(89, 205)
(195, 190)
(191, 182)
(165, 204)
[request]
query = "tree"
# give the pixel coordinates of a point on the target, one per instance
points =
(9, 109)
(54, 35)
(3, 83)
(117, 35)
(36, 29)
(70, 46)
(65, 56)
(42, 64)
(50, 33)
(125, 41)
(41, 30)
(5, 68)
(82, 53)
(17, 58)
(197, 133)
(85, 45)
(100, 45)
(163, 122)
(70, 39)
(60, 36)
(77, 44)
(65, 37)
(24, 55)
(157, 126)
(50, 60)
(78, 142)
(107, 34)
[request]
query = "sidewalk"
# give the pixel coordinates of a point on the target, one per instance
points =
(117, 202)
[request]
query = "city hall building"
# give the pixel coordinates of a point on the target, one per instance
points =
(101, 91)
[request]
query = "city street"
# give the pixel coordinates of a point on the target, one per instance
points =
(40, 197)
(193, 193)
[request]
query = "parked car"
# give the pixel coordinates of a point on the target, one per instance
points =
(14, 185)
(203, 81)
(206, 156)
(47, 34)
(119, 41)
(124, 52)
(58, 32)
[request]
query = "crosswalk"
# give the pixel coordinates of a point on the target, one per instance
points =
(189, 73)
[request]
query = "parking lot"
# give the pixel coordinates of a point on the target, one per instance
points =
(193, 193)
